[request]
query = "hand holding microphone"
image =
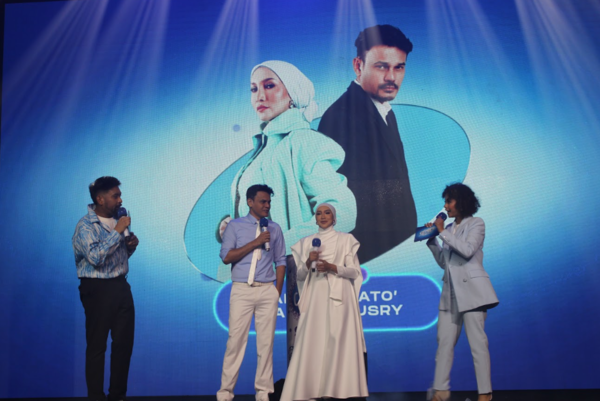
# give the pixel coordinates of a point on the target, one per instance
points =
(265, 236)
(314, 254)
(123, 221)
(429, 230)
(123, 225)
(439, 222)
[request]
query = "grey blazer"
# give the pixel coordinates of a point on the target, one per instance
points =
(461, 257)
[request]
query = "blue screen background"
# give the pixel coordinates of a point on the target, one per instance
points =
(156, 93)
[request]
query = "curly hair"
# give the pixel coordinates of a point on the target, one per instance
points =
(466, 202)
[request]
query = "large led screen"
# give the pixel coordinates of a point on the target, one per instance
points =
(501, 95)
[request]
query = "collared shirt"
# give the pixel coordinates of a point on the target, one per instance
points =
(100, 252)
(240, 232)
(383, 108)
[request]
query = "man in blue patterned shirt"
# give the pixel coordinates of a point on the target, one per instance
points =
(101, 254)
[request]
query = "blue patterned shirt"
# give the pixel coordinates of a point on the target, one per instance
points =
(99, 251)
(240, 232)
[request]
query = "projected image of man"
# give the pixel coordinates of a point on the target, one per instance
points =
(102, 255)
(363, 123)
(252, 253)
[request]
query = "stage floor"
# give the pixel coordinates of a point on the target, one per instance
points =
(502, 395)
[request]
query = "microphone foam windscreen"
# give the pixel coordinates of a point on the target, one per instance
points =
(122, 212)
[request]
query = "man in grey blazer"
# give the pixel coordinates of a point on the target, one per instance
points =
(467, 292)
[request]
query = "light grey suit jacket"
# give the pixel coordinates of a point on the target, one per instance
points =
(461, 257)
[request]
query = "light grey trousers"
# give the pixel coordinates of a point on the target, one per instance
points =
(449, 326)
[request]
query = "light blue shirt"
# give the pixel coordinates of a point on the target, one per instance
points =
(100, 252)
(240, 232)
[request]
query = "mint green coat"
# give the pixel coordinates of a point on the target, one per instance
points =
(301, 165)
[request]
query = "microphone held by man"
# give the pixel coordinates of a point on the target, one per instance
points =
(264, 227)
(124, 218)
(122, 212)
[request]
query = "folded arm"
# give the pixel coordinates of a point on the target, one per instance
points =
(230, 254)
(351, 267)
(94, 247)
(471, 244)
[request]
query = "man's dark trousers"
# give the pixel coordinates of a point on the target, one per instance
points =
(108, 306)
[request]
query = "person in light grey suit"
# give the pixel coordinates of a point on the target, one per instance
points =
(467, 292)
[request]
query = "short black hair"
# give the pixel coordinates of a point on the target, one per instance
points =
(254, 189)
(381, 35)
(102, 184)
(466, 201)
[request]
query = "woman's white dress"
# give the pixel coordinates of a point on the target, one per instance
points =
(328, 356)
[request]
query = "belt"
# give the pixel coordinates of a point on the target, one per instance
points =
(259, 284)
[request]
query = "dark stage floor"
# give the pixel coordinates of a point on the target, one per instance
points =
(513, 395)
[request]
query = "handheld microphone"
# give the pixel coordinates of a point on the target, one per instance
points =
(121, 213)
(316, 244)
(264, 224)
(429, 232)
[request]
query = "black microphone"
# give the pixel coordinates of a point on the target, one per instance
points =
(264, 224)
(122, 212)
(316, 244)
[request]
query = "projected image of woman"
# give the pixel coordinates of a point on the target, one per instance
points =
(328, 358)
(300, 164)
(467, 293)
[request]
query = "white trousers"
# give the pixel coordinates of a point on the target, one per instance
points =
(449, 326)
(245, 302)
